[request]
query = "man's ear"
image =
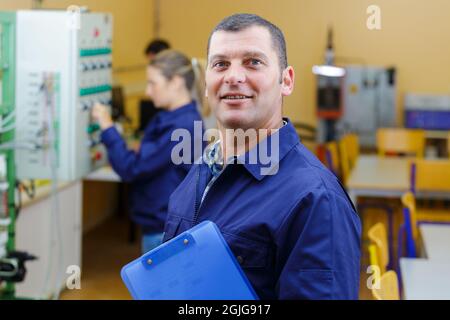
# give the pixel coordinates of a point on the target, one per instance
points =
(287, 81)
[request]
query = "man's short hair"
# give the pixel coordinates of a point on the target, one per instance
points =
(241, 21)
(156, 46)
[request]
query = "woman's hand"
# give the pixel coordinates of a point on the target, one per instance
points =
(101, 114)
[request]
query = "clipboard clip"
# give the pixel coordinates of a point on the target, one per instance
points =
(182, 242)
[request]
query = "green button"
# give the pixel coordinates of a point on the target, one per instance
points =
(94, 52)
(94, 90)
(92, 128)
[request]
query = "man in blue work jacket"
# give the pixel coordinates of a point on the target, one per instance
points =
(291, 225)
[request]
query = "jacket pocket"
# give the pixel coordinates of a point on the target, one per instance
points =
(249, 253)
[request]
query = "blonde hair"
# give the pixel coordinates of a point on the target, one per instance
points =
(173, 63)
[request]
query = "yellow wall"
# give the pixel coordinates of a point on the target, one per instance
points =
(415, 37)
(15, 4)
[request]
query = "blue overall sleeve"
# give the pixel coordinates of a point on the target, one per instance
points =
(319, 248)
(131, 165)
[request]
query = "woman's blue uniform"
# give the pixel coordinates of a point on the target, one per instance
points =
(151, 172)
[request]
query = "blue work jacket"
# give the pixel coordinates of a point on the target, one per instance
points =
(296, 234)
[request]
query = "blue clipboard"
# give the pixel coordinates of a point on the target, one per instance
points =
(196, 265)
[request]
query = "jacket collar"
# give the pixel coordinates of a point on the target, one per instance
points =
(262, 160)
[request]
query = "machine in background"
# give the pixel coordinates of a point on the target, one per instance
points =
(353, 99)
(63, 69)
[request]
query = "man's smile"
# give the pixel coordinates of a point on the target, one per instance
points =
(235, 96)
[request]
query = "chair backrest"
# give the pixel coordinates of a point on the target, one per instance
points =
(348, 152)
(378, 238)
(430, 175)
(332, 157)
(387, 288)
(401, 141)
(373, 259)
(353, 147)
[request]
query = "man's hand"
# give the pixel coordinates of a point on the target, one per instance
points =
(101, 114)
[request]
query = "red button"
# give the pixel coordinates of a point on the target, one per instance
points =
(98, 156)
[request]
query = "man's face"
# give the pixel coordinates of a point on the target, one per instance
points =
(244, 83)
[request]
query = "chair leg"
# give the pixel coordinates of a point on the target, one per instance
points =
(401, 234)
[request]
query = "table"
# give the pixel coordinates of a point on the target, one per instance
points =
(425, 279)
(375, 176)
(105, 173)
(436, 241)
(383, 177)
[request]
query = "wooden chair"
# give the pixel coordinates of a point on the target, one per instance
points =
(425, 176)
(398, 141)
(430, 175)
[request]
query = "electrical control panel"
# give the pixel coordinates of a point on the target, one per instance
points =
(63, 69)
(7, 97)
(369, 102)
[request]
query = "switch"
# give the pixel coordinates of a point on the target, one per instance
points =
(86, 105)
(93, 128)
(98, 156)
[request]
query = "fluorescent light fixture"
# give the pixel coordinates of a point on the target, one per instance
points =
(328, 71)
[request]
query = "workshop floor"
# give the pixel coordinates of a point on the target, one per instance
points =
(105, 251)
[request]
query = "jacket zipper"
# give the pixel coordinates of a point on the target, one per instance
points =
(197, 197)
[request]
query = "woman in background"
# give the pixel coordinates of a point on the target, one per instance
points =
(151, 171)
